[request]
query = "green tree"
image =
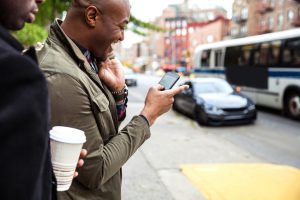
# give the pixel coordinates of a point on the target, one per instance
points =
(50, 10)
(31, 34)
(140, 27)
(37, 32)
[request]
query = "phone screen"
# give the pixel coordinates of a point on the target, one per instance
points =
(169, 80)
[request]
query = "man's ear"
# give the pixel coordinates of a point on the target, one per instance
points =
(91, 15)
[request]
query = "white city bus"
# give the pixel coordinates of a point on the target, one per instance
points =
(266, 67)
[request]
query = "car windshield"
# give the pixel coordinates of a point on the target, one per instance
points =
(212, 87)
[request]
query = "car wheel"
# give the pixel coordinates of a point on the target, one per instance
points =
(201, 117)
(292, 105)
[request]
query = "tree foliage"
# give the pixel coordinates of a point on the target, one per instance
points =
(31, 34)
(140, 27)
(50, 10)
(37, 32)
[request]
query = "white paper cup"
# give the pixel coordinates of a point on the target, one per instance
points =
(66, 144)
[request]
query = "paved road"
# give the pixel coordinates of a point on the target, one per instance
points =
(154, 171)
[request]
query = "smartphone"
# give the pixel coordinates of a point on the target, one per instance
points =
(169, 80)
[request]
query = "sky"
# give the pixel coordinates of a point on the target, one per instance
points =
(148, 10)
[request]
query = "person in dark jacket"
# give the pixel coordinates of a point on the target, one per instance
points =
(25, 169)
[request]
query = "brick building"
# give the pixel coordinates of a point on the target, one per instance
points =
(186, 30)
(253, 17)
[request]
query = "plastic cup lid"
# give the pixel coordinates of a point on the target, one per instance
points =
(67, 135)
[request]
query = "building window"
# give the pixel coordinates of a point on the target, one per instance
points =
(202, 16)
(167, 25)
(191, 30)
(244, 30)
(290, 15)
(210, 38)
(280, 21)
(244, 13)
(234, 31)
(272, 3)
(280, 2)
(263, 23)
(168, 41)
(235, 16)
(271, 22)
(210, 16)
(173, 24)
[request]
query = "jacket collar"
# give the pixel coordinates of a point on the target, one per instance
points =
(58, 36)
(6, 36)
(15, 44)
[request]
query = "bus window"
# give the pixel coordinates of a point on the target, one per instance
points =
(218, 58)
(297, 58)
(244, 56)
(205, 58)
(255, 55)
(263, 56)
(231, 56)
(287, 56)
(291, 53)
(275, 53)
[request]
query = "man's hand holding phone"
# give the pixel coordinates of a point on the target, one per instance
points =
(169, 80)
(159, 99)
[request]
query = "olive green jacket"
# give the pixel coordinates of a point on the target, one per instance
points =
(79, 99)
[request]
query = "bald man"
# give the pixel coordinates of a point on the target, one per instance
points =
(88, 92)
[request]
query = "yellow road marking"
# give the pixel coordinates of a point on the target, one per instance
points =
(245, 181)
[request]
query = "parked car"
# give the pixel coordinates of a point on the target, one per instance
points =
(212, 101)
(130, 77)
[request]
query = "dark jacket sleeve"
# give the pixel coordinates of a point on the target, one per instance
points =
(25, 168)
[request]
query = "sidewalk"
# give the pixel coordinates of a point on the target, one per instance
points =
(147, 177)
(141, 180)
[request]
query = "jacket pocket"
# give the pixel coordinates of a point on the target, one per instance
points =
(103, 117)
(101, 102)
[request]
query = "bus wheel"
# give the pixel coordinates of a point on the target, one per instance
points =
(292, 105)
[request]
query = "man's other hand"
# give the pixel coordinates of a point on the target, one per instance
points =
(111, 73)
(80, 162)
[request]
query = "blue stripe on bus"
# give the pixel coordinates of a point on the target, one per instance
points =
(209, 71)
(284, 74)
(281, 74)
